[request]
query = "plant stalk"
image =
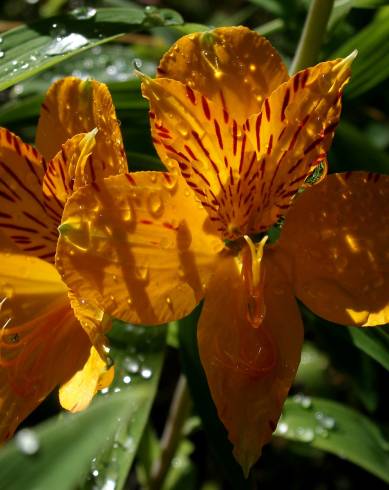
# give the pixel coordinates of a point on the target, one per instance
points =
(172, 433)
(312, 36)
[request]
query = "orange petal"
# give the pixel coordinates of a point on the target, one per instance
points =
(27, 286)
(24, 218)
(292, 134)
(73, 166)
(233, 66)
(211, 150)
(35, 357)
(137, 246)
(74, 106)
(77, 393)
(249, 368)
(335, 242)
(94, 322)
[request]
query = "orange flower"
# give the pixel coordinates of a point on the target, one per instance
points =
(42, 343)
(240, 138)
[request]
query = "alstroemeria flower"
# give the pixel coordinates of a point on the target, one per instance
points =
(42, 343)
(240, 138)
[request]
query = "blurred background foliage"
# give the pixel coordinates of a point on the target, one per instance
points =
(334, 431)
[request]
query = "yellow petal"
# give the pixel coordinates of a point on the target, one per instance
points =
(35, 357)
(232, 66)
(335, 242)
(74, 106)
(77, 393)
(292, 134)
(24, 217)
(137, 246)
(27, 287)
(94, 322)
(211, 150)
(249, 367)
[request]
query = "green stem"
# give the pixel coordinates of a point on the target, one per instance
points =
(172, 433)
(312, 35)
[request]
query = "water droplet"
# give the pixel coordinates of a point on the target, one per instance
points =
(282, 428)
(27, 441)
(2, 54)
(127, 380)
(104, 391)
(109, 484)
(303, 400)
(155, 203)
(325, 421)
(83, 13)
(8, 290)
(253, 67)
(95, 473)
(320, 431)
(131, 365)
(142, 273)
(146, 373)
(67, 43)
(305, 434)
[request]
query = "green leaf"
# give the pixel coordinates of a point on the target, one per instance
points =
(374, 342)
(220, 445)
(138, 353)
(110, 429)
(67, 444)
(28, 50)
(332, 427)
(372, 63)
(353, 150)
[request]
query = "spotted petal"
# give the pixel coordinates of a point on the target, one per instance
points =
(249, 369)
(41, 343)
(137, 246)
(292, 134)
(213, 153)
(232, 66)
(23, 216)
(335, 239)
(74, 106)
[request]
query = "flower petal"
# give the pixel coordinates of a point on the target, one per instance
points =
(27, 286)
(23, 215)
(210, 149)
(35, 357)
(232, 66)
(249, 370)
(292, 134)
(126, 247)
(74, 106)
(335, 240)
(76, 394)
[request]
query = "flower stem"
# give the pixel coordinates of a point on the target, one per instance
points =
(312, 35)
(172, 433)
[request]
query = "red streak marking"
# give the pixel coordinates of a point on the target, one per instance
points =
(91, 168)
(197, 172)
(169, 226)
(146, 222)
(285, 104)
(257, 131)
(330, 128)
(47, 256)
(250, 166)
(6, 196)
(281, 134)
(205, 151)
(376, 177)
(297, 132)
(292, 169)
(242, 154)
(304, 77)
(313, 144)
(226, 164)
(218, 134)
(152, 114)
(44, 106)
(183, 166)
(267, 109)
(36, 247)
(235, 136)
(95, 186)
(204, 103)
(191, 95)
(17, 146)
(165, 135)
(20, 228)
(130, 179)
(231, 176)
(33, 218)
(190, 152)
(8, 136)
(161, 71)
